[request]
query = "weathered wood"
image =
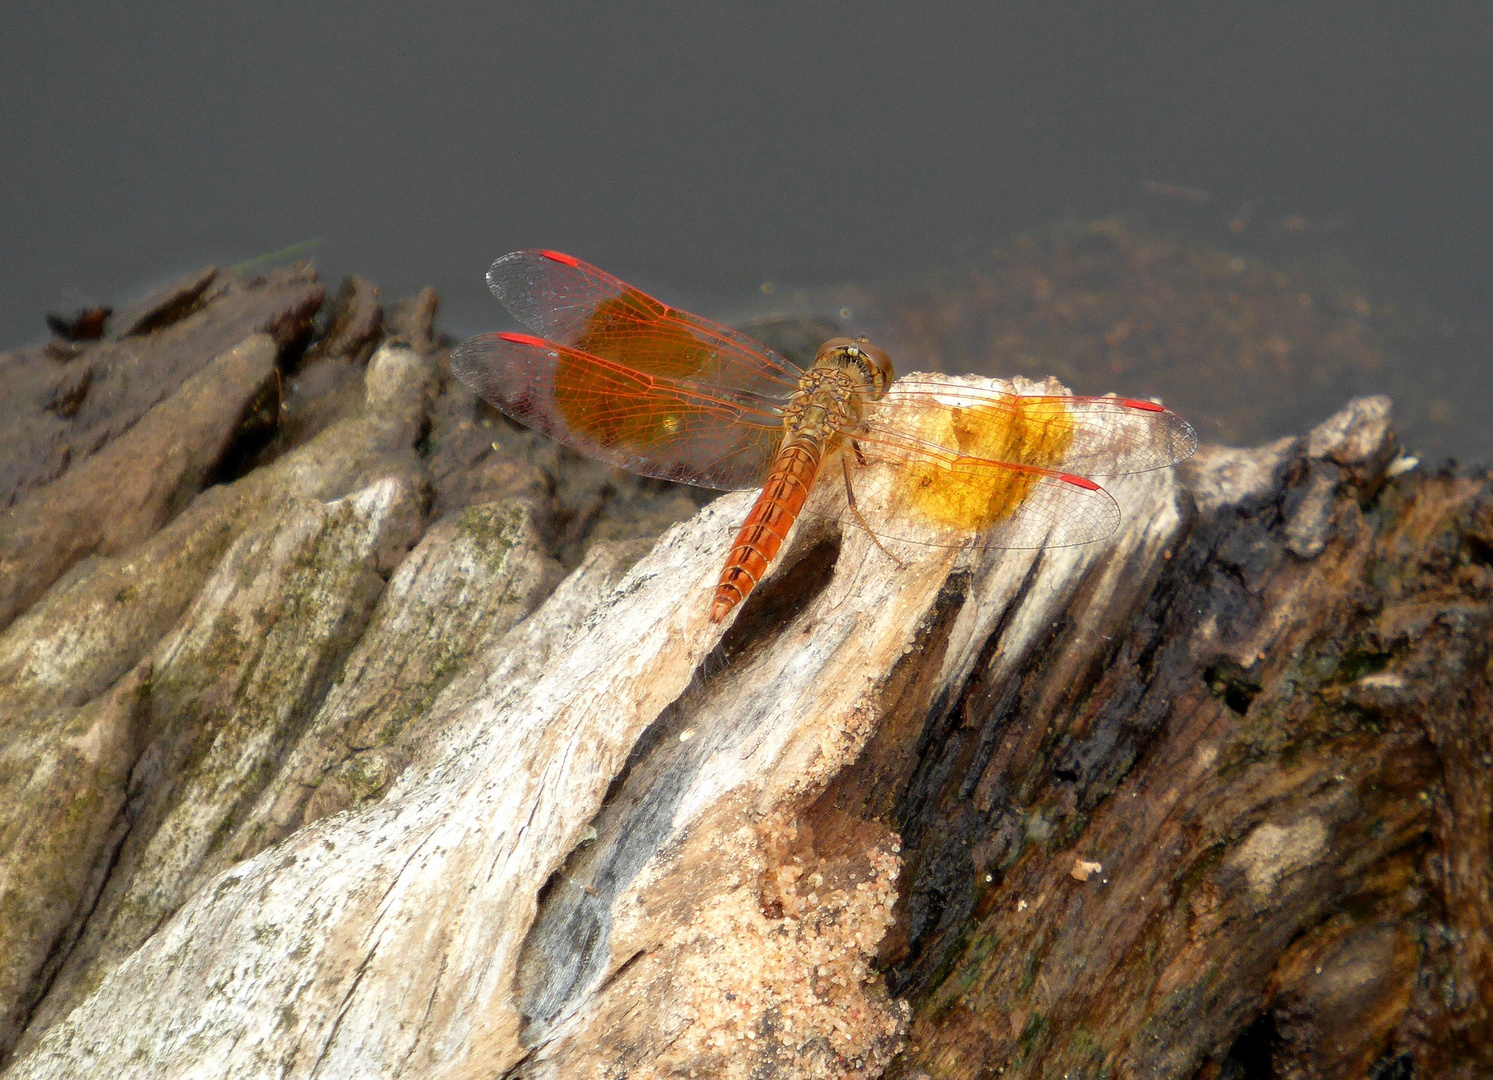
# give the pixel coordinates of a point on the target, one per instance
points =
(103, 450)
(108, 503)
(330, 777)
(56, 413)
(98, 625)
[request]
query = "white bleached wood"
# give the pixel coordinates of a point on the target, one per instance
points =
(388, 941)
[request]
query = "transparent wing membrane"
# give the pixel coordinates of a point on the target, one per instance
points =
(1091, 436)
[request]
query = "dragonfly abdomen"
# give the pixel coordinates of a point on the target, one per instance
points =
(766, 527)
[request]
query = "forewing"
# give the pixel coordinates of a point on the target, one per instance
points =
(573, 303)
(909, 490)
(646, 423)
(1089, 436)
(951, 461)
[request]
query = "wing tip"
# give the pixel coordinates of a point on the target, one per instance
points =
(473, 358)
(465, 360)
(1183, 437)
(497, 271)
(1184, 441)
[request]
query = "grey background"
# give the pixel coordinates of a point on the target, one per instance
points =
(700, 149)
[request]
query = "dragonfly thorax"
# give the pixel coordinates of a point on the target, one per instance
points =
(824, 403)
(846, 373)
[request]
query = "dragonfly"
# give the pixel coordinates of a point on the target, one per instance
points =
(636, 383)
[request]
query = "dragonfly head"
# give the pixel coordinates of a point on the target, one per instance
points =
(858, 355)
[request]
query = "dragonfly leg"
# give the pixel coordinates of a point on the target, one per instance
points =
(850, 501)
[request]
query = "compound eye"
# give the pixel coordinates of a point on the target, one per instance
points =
(870, 358)
(881, 363)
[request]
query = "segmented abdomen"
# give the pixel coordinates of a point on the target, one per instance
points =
(767, 526)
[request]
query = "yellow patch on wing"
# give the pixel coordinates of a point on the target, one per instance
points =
(963, 489)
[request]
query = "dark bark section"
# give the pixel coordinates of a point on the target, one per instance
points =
(1240, 827)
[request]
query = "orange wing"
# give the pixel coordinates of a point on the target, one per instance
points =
(626, 379)
(649, 424)
(573, 303)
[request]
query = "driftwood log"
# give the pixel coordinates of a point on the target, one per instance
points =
(359, 734)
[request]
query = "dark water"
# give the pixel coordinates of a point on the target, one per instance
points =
(702, 150)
